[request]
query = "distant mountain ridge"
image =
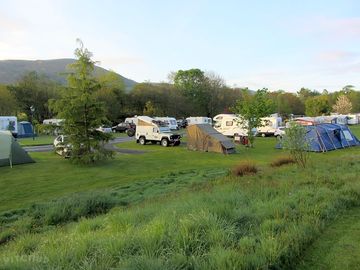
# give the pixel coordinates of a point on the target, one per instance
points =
(12, 70)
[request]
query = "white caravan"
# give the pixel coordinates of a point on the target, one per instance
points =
(269, 125)
(198, 120)
(170, 121)
(229, 125)
(150, 130)
(9, 123)
(353, 119)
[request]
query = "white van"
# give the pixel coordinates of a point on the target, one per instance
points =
(229, 125)
(198, 120)
(269, 126)
(170, 121)
(9, 123)
(353, 119)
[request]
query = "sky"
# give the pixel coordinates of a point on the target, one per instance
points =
(276, 44)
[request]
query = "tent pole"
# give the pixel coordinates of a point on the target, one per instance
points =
(10, 160)
(320, 141)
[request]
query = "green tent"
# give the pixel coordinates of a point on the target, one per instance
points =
(11, 152)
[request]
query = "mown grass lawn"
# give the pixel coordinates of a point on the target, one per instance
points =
(52, 176)
(38, 140)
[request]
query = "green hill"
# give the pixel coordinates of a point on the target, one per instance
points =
(55, 69)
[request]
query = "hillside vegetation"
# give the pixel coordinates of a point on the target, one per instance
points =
(12, 70)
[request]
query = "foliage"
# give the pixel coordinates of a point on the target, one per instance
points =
(8, 104)
(150, 109)
(295, 141)
(82, 112)
(35, 90)
(112, 93)
(244, 168)
(251, 108)
(343, 105)
(317, 105)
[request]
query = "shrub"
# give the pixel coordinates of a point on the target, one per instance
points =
(283, 160)
(295, 141)
(244, 168)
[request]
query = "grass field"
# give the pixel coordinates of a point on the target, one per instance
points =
(178, 209)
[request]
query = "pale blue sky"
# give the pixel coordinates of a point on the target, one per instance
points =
(275, 44)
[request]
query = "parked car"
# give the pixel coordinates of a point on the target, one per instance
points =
(104, 129)
(62, 146)
(279, 132)
(182, 123)
(123, 127)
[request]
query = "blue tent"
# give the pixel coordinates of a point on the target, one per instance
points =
(25, 129)
(326, 137)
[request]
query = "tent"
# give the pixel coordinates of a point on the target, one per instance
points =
(325, 137)
(11, 152)
(203, 137)
(25, 129)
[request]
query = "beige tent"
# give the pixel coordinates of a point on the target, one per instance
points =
(205, 138)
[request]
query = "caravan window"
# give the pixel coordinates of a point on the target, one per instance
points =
(229, 123)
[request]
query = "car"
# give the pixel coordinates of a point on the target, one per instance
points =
(104, 129)
(123, 127)
(62, 146)
(279, 132)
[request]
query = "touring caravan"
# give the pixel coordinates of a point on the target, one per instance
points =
(170, 121)
(9, 123)
(353, 119)
(229, 125)
(198, 120)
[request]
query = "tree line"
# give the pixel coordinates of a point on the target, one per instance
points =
(190, 92)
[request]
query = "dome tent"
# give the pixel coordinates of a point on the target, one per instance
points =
(203, 137)
(11, 152)
(327, 137)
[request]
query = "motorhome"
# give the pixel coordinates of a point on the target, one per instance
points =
(170, 121)
(269, 125)
(9, 123)
(151, 130)
(198, 120)
(229, 125)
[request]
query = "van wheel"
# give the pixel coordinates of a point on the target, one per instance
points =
(165, 142)
(263, 135)
(142, 140)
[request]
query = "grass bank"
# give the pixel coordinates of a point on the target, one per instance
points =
(252, 222)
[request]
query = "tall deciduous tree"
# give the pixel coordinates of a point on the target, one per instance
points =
(82, 112)
(343, 105)
(194, 84)
(7, 102)
(251, 108)
(317, 105)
